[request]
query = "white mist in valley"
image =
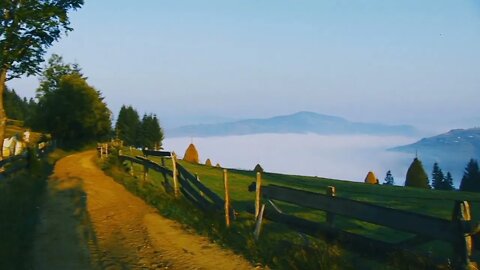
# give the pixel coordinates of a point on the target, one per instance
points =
(346, 157)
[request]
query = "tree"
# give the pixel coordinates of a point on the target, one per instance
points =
(438, 178)
(151, 133)
(53, 72)
(16, 107)
(471, 177)
(128, 126)
(27, 29)
(75, 112)
(389, 180)
(448, 183)
(416, 176)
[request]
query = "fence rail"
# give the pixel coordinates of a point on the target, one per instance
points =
(458, 231)
(15, 163)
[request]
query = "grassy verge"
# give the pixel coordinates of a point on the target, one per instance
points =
(20, 196)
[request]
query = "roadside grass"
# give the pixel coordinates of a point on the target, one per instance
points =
(275, 236)
(20, 197)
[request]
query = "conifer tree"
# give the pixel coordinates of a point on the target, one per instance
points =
(416, 176)
(448, 183)
(471, 177)
(128, 126)
(151, 133)
(389, 180)
(438, 178)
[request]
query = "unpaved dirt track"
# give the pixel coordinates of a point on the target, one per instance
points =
(88, 221)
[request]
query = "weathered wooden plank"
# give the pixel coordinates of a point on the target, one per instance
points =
(154, 166)
(397, 219)
(156, 153)
(12, 159)
(316, 229)
(210, 194)
(129, 158)
(203, 203)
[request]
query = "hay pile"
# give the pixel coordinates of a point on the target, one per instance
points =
(191, 155)
(208, 163)
(371, 178)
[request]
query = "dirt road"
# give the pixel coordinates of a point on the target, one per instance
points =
(88, 221)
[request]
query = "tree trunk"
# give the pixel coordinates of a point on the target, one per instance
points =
(3, 115)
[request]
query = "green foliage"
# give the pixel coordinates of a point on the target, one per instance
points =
(448, 182)
(53, 72)
(75, 113)
(151, 135)
(389, 180)
(68, 108)
(471, 177)
(437, 177)
(145, 133)
(441, 181)
(28, 28)
(128, 126)
(416, 176)
(18, 108)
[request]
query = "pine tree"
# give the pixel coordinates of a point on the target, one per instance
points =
(151, 133)
(389, 180)
(471, 177)
(128, 126)
(448, 183)
(438, 177)
(416, 176)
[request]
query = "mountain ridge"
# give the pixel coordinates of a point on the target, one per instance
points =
(300, 122)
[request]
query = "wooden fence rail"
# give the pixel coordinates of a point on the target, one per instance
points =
(19, 162)
(458, 231)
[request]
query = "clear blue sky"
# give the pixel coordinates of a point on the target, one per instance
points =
(390, 61)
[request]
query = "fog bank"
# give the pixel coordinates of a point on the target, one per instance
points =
(346, 157)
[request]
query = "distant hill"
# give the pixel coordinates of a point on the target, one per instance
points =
(301, 122)
(452, 150)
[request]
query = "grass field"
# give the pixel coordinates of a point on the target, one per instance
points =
(428, 202)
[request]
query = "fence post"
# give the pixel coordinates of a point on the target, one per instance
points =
(461, 214)
(258, 194)
(227, 198)
(330, 216)
(145, 171)
(132, 173)
(258, 224)
(174, 176)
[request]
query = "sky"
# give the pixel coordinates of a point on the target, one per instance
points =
(389, 61)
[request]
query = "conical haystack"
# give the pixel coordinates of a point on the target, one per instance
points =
(258, 168)
(208, 163)
(191, 155)
(371, 178)
(218, 165)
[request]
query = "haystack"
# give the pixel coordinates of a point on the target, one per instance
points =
(208, 163)
(191, 155)
(218, 165)
(371, 178)
(258, 168)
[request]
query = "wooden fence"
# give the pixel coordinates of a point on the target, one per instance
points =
(460, 231)
(18, 162)
(184, 182)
